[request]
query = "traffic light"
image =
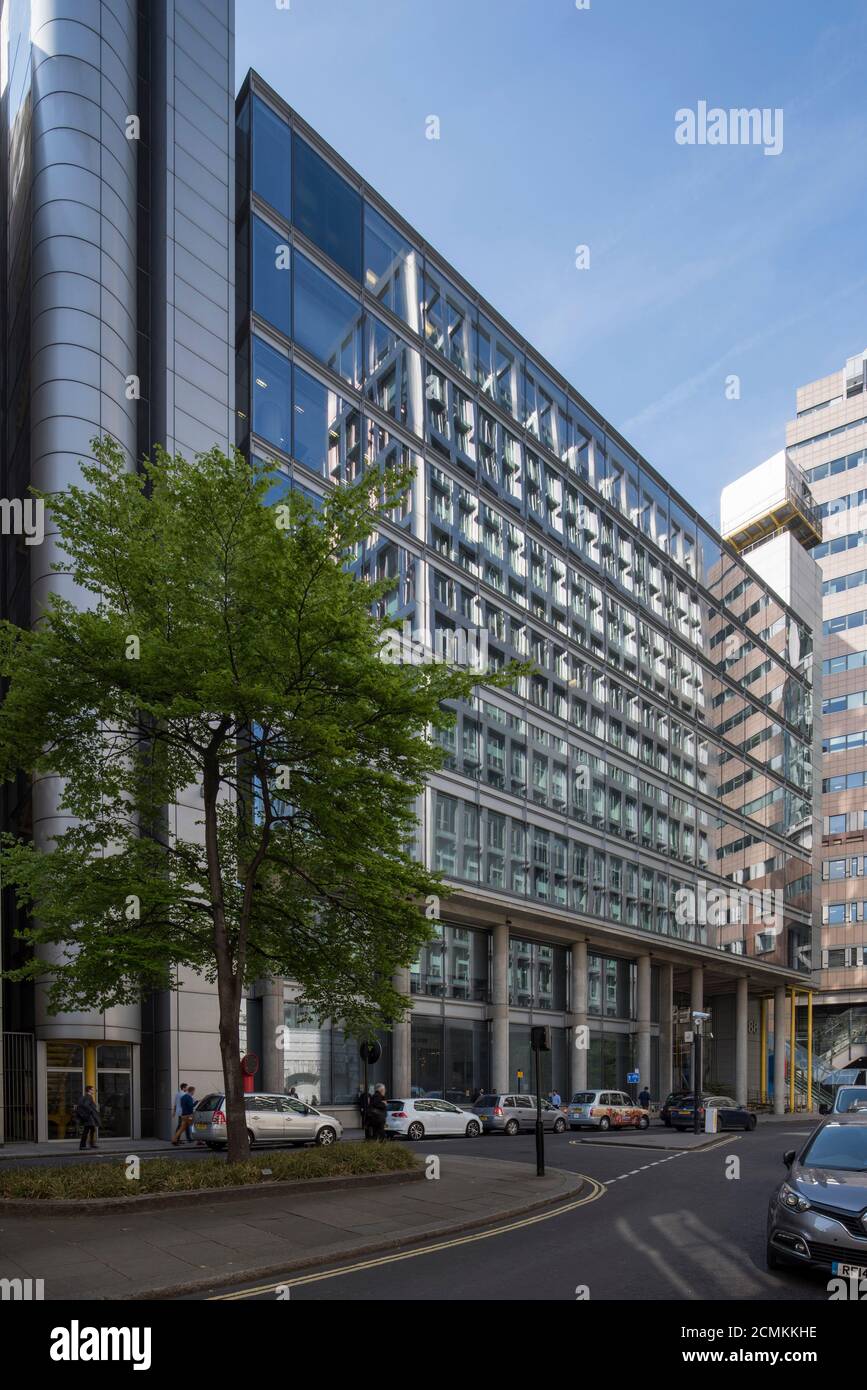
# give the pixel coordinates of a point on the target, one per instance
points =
(540, 1038)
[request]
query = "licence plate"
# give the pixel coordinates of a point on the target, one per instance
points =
(200, 1124)
(849, 1271)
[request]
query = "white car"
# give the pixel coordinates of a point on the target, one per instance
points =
(416, 1119)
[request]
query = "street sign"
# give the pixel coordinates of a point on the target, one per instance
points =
(520, 1075)
(688, 1037)
(633, 1078)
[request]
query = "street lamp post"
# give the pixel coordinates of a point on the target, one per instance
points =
(698, 1018)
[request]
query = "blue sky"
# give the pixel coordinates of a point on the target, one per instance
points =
(557, 129)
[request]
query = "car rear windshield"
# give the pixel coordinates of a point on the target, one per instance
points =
(848, 1098)
(210, 1102)
(839, 1146)
(487, 1100)
(583, 1097)
(396, 1104)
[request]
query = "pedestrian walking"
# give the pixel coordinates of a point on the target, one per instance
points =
(644, 1099)
(377, 1113)
(555, 1099)
(87, 1114)
(188, 1105)
(290, 1091)
(178, 1111)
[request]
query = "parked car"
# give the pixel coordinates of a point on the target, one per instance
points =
(673, 1099)
(271, 1119)
(848, 1100)
(817, 1218)
(730, 1114)
(417, 1117)
(516, 1114)
(606, 1110)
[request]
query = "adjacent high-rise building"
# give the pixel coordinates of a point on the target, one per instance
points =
(628, 833)
(828, 441)
(118, 307)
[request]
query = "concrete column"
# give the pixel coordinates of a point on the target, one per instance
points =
(666, 1029)
(643, 1009)
(578, 1000)
(401, 1041)
(742, 1040)
(780, 1032)
(271, 1075)
(500, 1009)
(697, 988)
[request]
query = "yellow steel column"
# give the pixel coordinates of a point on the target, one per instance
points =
(810, 1050)
(792, 1052)
(763, 1052)
(90, 1065)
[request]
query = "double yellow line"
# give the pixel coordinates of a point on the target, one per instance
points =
(597, 1190)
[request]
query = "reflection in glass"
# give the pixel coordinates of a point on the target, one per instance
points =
(272, 158)
(327, 210)
(272, 416)
(327, 321)
(272, 277)
(391, 268)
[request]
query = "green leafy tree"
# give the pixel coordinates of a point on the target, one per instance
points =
(229, 654)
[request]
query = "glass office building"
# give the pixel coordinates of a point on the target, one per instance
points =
(628, 833)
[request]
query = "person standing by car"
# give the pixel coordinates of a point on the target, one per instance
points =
(188, 1105)
(377, 1112)
(555, 1099)
(644, 1099)
(87, 1113)
(182, 1090)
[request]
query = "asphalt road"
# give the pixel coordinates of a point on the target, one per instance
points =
(663, 1227)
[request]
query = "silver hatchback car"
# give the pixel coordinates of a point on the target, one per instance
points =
(271, 1119)
(516, 1114)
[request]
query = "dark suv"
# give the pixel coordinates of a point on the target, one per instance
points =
(672, 1101)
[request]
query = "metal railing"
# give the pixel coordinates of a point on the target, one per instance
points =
(19, 1089)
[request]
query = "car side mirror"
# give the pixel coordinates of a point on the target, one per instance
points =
(824, 1109)
(789, 1157)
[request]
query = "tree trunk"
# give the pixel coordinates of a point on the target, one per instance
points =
(238, 1147)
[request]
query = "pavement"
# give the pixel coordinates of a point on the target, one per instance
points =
(167, 1254)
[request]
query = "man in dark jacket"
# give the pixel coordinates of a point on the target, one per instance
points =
(377, 1111)
(188, 1105)
(87, 1114)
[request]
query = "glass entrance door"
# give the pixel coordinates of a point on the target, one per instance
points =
(114, 1089)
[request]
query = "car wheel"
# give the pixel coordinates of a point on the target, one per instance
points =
(251, 1137)
(326, 1135)
(211, 1145)
(751, 1123)
(511, 1127)
(772, 1260)
(680, 1129)
(416, 1130)
(559, 1126)
(643, 1122)
(473, 1129)
(604, 1123)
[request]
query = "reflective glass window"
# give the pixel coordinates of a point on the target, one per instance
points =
(327, 321)
(272, 415)
(272, 277)
(392, 269)
(327, 210)
(392, 371)
(272, 158)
